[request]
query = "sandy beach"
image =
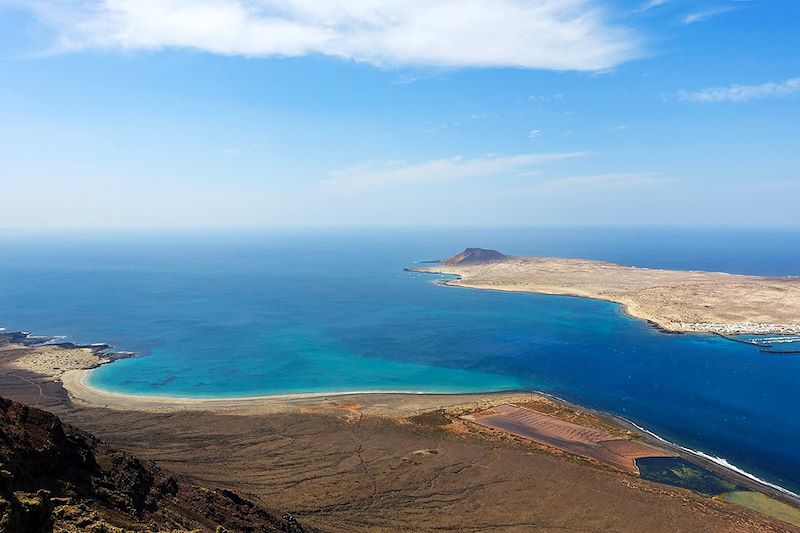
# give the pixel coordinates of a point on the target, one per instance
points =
(395, 404)
(676, 301)
(70, 366)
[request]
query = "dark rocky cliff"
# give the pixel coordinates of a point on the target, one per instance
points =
(55, 475)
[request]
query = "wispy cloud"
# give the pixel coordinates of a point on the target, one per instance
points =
(535, 133)
(528, 173)
(438, 171)
(482, 116)
(650, 4)
(598, 182)
(542, 99)
(702, 16)
(542, 34)
(774, 186)
(742, 93)
(408, 79)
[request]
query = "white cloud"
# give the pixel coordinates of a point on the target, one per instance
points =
(597, 182)
(650, 4)
(408, 79)
(541, 99)
(528, 173)
(618, 127)
(535, 133)
(742, 93)
(702, 16)
(546, 34)
(437, 171)
(483, 116)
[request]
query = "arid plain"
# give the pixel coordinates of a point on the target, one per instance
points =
(680, 301)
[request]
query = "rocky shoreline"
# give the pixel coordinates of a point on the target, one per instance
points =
(53, 358)
(26, 338)
(740, 328)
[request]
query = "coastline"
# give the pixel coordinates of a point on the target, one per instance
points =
(621, 306)
(396, 405)
(74, 382)
(70, 364)
(672, 301)
(399, 408)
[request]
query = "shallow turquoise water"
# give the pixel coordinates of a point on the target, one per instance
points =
(249, 313)
(291, 360)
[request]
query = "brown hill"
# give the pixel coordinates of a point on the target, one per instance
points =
(53, 475)
(474, 256)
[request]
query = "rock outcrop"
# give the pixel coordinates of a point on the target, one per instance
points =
(474, 256)
(53, 475)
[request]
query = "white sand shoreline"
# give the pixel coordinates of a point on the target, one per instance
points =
(387, 403)
(74, 381)
(690, 301)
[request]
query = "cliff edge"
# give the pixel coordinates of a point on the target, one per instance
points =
(54, 476)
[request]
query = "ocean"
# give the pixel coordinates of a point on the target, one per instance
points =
(242, 313)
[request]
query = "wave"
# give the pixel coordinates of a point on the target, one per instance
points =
(55, 339)
(100, 348)
(720, 461)
(775, 340)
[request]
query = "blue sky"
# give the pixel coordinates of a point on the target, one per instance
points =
(215, 113)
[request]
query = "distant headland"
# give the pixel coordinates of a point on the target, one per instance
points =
(475, 256)
(673, 300)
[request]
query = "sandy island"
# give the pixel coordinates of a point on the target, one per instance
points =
(677, 301)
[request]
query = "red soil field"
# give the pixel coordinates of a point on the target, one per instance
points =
(573, 438)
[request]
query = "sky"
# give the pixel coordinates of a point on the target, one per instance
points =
(394, 113)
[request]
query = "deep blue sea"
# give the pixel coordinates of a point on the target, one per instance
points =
(247, 313)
